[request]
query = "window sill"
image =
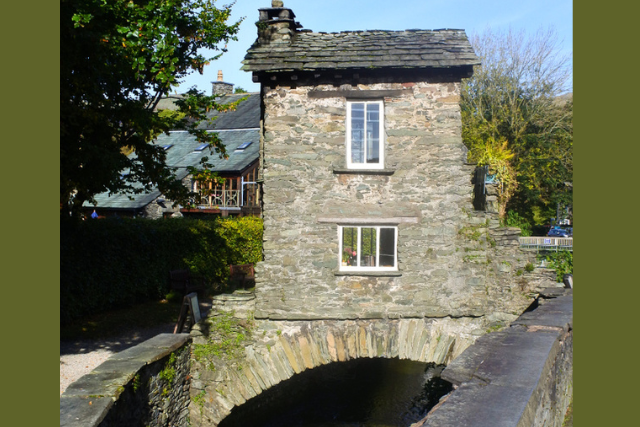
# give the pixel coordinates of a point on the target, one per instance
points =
(369, 273)
(338, 171)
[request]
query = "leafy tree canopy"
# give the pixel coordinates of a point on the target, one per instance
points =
(118, 58)
(513, 120)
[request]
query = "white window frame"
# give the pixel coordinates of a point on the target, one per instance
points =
(359, 240)
(380, 164)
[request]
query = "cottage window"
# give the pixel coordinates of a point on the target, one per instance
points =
(365, 130)
(368, 248)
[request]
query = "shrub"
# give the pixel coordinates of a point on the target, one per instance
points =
(562, 262)
(118, 262)
(514, 220)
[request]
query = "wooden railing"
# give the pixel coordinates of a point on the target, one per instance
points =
(547, 243)
(230, 198)
(222, 198)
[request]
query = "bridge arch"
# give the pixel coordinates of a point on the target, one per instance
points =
(282, 349)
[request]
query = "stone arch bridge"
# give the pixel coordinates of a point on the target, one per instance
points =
(277, 350)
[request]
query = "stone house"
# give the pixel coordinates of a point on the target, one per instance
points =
(237, 196)
(367, 196)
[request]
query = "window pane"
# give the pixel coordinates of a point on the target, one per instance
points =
(349, 244)
(387, 247)
(368, 247)
(373, 133)
(357, 133)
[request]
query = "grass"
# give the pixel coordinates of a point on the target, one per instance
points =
(112, 323)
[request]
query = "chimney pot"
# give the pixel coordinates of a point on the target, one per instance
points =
(276, 24)
(219, 87)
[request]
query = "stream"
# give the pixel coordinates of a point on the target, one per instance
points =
(357, 393)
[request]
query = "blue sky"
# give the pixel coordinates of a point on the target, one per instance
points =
(349, 15)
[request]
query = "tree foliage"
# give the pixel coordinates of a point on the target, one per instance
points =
(510, 109)
(118, 58)
(497, 156)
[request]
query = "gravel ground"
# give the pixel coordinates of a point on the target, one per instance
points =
(78, 358)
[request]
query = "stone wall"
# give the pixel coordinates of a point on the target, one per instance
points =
(452, 261)
(144, 385)
(520, 377)
(155, 210)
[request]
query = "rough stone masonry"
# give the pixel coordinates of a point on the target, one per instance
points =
(307, 193)
(452, 260)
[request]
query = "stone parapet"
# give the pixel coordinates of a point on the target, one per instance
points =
(144, 385)
(518, 377)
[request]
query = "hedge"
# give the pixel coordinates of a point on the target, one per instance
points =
(118, 262)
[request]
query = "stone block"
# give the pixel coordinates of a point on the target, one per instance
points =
(79, 411)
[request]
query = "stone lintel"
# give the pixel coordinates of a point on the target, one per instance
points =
(325, 316)
(360, 94)
(369, 220)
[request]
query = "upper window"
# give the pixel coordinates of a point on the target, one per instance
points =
(365, 130)
(368, 248)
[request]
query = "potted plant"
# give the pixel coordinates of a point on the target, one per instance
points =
(348, 256)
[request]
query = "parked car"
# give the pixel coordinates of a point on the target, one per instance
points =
(560, 232)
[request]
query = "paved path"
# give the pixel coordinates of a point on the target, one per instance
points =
(80, 357)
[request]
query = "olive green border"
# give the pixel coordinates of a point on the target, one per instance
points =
(606, 158)
(30, 153)
(47, 79)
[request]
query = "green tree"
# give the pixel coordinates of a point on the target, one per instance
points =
(117, 59)
(513, 98)
(497, 156)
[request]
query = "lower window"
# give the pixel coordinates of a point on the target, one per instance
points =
(368, 248)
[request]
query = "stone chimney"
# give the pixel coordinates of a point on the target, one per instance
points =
(221, 88)
(276, 24)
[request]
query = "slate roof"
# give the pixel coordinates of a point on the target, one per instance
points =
(407, 49)
(168, 102)
(234, 128)
(182, 154)
(246, 115)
